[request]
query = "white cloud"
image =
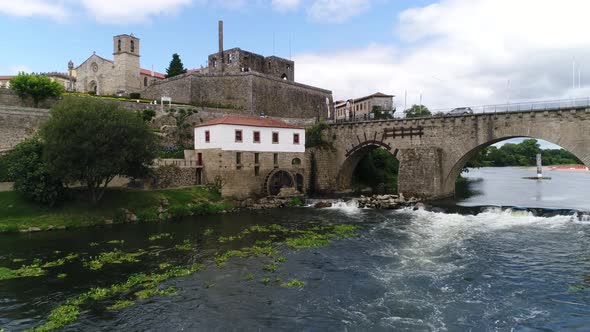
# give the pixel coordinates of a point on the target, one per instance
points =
(285, 5)
(337, 11)
(131, 11)
(29, 8)
(463, 52)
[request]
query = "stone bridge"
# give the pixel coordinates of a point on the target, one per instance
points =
(18, 123)
(432, 151)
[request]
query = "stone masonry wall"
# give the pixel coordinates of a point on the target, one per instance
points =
(19, 123)
(172, 176)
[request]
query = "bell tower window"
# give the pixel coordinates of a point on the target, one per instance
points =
(119, 45)
(132, 46)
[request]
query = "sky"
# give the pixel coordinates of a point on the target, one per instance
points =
(447, 53)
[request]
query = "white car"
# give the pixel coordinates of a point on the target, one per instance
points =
(461, 111)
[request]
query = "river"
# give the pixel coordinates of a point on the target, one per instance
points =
(485, 269)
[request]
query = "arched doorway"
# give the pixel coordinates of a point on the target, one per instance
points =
(93, 87)
(277, 180)
(299, 184)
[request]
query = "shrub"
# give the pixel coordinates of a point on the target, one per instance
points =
(148, 115)
(179, 211)
(36, 87)
(150, 214)
(31, 176)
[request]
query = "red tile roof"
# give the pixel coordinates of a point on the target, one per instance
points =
(149, 73)
(5, 78)
(248, 121)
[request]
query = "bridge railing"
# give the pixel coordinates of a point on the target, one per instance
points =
(544, 105)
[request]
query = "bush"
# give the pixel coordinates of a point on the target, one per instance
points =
(150, 214)
(148, 115)
(31, 176)
(4, 170)
(179, 211)
(36, 87)
(134, 95)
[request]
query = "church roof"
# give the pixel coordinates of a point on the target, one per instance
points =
(149, 72)
(248, 121)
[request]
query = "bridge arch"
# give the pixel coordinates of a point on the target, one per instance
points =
(579, 150)
(354, 156)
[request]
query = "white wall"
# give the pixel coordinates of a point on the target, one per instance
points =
(223, 137)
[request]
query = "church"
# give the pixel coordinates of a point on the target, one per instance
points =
(121, 76)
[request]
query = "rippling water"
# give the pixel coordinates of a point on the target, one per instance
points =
(496, 270)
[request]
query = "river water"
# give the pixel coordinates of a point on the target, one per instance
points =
(486, 269)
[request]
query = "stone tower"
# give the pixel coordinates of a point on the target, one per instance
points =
(126, 55)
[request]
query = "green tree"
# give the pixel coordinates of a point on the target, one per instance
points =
(378, 168)
(92, 141)
(417, 111)
(36, 87)
(31, 176)
(176, 67)
(380, 114)
(314, 136)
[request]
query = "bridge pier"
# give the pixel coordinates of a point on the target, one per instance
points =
(421, 173)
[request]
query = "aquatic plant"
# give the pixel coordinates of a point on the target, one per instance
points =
(116, 242)
(93, 244)
(151, 292)
(308, 240)
(270, 267)
(186, 245)
(293, 283)
(59, 317)
(221, 259)
(265, 280)
(164, 266)
(55, 263)
(160, 236)
(113, 257)
(62, 276)
(208, 232)
(121, 304)
(249, 277)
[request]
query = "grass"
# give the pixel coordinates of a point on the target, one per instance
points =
(17, 214)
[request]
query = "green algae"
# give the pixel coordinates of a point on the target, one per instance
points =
(160, 236)
(113, 257)
(293, 283)
(151, 292)
(186, 245)
(120, 304)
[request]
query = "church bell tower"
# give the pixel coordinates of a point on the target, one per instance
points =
(126, 66)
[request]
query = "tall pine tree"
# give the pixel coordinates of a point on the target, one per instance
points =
(176, 67)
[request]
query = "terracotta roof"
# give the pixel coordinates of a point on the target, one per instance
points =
(196, 70)
(6, 77)
(149, 73)
(248, 121)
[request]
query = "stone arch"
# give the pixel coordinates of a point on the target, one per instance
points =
(464, 157)
(284, 77)
(93, 86)
(354, 156)
(277, 179)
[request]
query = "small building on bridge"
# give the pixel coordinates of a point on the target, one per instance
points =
(250, 156)
(361, 108)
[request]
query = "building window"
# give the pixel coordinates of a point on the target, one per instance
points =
(256, 137)
(214, 62)
(256, 158)
(230, 58)
(145, 81)
(207, 136)
(296, 162)
(238, 136)
(256, 170)
(295, 138)
(275, 159)
(199, 159)
(275, 137)
(238, 160)
(132, 46)
(119, 45)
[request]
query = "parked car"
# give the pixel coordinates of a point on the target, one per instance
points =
(461, 111)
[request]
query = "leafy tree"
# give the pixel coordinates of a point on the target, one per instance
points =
(92, 141)
(379, 114)
(314, 136)
(378, 168)
(184, 132)
(417, 111)
(36, 87)
(176, 67)
(32, 178)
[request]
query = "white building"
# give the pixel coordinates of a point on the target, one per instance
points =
(361, 108)
(234, 133)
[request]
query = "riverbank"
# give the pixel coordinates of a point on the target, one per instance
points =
(117, 206)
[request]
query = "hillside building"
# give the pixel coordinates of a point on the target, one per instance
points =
(361, 108)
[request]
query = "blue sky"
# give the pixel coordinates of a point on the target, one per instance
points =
(447, 53)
